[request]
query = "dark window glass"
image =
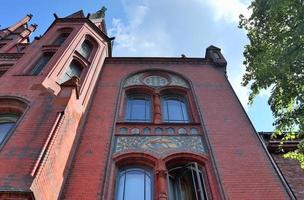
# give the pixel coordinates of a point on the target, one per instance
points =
(7, 122)
(41, 63)
(138, 109)
(2, 72)
(186, 183)
(134, 184)
(2, 45)
(60, 40)
(74, 69)
(174, 110)
(86, 49)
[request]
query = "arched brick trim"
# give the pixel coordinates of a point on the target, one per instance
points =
(135, 158)
(14, 105)
(185, 157)
(141, 89)
(174, 90)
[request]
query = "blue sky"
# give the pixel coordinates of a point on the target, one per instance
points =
(161, 28)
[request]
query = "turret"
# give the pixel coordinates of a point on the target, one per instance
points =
(98, 18)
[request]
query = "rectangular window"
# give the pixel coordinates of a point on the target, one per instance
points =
(138, 108)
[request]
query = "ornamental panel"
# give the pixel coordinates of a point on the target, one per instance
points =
(155, 80)
(159, 145)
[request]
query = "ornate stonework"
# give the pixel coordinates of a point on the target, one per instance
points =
(159, 145)
(155, 80)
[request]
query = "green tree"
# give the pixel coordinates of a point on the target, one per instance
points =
(274, 58)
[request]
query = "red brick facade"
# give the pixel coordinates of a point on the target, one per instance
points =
(72, 138)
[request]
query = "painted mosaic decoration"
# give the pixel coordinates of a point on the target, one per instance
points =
(159, 145)
(155, 81)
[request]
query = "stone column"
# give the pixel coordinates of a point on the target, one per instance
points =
(161, 178)
(157, 109)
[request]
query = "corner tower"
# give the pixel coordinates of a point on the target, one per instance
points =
(44, 96)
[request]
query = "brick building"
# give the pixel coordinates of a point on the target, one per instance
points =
(77, 123)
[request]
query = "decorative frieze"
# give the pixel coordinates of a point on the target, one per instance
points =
(159, 145)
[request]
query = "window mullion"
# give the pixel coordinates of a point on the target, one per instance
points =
(167, 104)
(124, 186)
(181, 107)
(199, 182)
(144, 186)
(194, 184)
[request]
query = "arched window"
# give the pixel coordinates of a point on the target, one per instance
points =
(61, 38)
(134, 184)
(11, 110)
(41, 63)
(138, 108)
(174, 109)
(186, 183)
(86, 49)
(7, 122)
(74, 69)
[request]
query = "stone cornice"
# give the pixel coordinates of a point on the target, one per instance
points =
(157, 60)
(10, 56)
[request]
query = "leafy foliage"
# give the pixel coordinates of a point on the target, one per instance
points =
(275, 59)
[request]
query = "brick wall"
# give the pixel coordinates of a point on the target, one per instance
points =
(293, 174)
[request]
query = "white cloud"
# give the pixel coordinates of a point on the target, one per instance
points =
(228, 10)
(136, 37)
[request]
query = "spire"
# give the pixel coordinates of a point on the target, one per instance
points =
(99, 14)
(98, 18)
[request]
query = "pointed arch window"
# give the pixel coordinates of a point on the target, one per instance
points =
(74, 69)
(41, 63)
(61, 38)
(134, 184)
(86, 49)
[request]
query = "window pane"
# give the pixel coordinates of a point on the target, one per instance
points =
(121, 186)
(148, 188)
(134, 184)
(138, 109)
(41, 63)
(186, 183)
(74, 69)
(7, 122)
(60, 40)
(174, 110)
(4, 130)
(86, 49)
